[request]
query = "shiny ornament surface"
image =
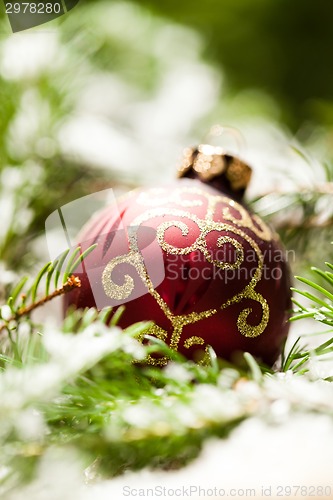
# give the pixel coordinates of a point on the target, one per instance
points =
(225, 281)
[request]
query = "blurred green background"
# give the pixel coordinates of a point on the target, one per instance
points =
(109, 95)
(281, 48)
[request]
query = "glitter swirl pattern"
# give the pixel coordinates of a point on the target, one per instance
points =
(235, 219)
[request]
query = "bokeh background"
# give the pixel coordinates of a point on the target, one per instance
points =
(109, 95)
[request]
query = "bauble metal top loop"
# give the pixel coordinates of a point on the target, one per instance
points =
(211, 163)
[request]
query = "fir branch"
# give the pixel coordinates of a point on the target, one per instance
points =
(71, 283)
(321, 306)
(17, 303)
(320, 309)
(301, 215)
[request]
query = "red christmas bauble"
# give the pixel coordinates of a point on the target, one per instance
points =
(191, 258)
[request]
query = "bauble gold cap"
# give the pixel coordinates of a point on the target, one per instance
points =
(211, 164)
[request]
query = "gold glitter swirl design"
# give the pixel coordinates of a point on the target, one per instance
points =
(155, 199)
(121, 292)
(222, 240)
(159, 333)
(243, 326)
(200, 243)
(191, 341)
(245, 220)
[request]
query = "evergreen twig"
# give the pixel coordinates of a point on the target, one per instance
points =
(319, 309)
(17, 301)
(71, 283)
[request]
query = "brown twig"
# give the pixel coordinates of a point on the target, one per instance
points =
(71, 283)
